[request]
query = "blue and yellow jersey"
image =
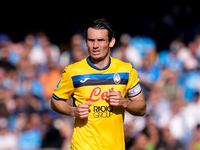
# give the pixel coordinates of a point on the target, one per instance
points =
(103, 129)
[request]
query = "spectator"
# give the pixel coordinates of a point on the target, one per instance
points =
(3, 110)
(127, 52)
(76, 52)
(155, 106)
(51, 73)
(148, 74)
(65, 127)
(152, 132)
(29, 137)
(195, 142)
(51, 136)
(140, 143)
(168, 142)
(168, 84)
(190, 80)
(4, 40)
(176, 123)
(7, 138)
(197, 42)
(30, 84)
(51, 50)
(43, 49)
(145, 46)
(4, 58)
(180, 50)
(191, 115)
(169, 58)
(28, 44)
(35, 104)
(129, 131)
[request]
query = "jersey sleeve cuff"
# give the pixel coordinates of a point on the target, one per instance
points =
(57, 98)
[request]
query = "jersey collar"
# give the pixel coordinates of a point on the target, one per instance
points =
(95, 67)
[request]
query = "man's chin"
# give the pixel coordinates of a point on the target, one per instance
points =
(96, 57)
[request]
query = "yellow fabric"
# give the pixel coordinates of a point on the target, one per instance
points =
(103, 129)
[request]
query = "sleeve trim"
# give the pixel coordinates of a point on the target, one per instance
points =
(57, 98)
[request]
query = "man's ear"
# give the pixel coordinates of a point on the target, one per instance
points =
(112, 42)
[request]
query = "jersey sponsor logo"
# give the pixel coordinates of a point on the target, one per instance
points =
(102, 111)
(97, 94)
(116, 78)
(83, 81)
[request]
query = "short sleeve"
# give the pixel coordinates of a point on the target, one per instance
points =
(133, 86)
(64, 88)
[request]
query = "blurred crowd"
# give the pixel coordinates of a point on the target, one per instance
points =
(30, 70)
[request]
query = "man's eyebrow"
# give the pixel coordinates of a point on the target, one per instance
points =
(90, 39)
(101, 39)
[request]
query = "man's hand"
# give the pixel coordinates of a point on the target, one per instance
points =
(135, 105)
(82, 110)
(116, 99)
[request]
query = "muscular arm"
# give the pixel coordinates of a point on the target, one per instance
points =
(135, 105)
(62, 107)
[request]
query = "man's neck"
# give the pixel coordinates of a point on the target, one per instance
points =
(100, 64)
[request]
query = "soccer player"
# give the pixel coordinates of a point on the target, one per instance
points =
(102, 88)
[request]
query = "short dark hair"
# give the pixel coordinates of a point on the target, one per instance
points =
(100, 23)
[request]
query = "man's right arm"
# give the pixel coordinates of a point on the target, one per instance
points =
(60, 106)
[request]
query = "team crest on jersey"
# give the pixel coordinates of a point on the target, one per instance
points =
(116, 78)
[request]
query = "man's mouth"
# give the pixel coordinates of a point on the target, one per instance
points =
(96, 52)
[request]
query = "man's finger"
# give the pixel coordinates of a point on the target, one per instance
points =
(114, 103)
(84, 116)
(88, 104)
(84, 113)
(85, 105)
(111, 90)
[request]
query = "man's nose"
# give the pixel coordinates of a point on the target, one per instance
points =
(95, 44)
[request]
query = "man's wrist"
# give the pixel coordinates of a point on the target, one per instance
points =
(125, 103)
(73, 111)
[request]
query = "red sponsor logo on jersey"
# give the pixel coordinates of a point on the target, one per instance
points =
(97, 94)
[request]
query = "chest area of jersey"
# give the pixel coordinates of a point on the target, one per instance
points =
(95, 87)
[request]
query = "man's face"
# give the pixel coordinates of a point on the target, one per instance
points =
(98, 44)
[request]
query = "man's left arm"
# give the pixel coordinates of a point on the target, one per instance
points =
(135, 105)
